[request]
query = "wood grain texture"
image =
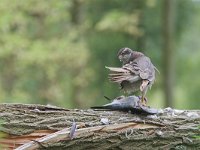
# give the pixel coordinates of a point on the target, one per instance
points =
(48, 127)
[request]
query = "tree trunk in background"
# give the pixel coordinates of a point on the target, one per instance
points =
(140, 45)
(8, 74)
(169, 8)
(76, 13)
(76, 18)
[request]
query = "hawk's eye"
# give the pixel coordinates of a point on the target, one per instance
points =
(125, 52)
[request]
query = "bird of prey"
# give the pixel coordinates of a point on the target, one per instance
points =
(137, 72)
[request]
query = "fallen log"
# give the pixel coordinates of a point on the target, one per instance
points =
(31, 126)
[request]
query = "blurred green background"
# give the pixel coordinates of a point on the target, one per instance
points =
(55, 51)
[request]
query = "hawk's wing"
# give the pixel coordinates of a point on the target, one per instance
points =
(143, 67)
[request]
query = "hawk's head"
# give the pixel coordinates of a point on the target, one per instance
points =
(125, 55)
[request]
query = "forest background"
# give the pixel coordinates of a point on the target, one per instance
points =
(55, 51)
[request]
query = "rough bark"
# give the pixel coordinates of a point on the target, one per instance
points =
(47, 127)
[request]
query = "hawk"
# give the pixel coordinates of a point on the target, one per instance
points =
(136, 74)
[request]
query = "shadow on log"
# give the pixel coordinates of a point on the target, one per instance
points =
(46, 127)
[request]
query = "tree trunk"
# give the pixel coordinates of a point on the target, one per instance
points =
(76, 13)
(168, 47)
(47, 127)
(141, 41)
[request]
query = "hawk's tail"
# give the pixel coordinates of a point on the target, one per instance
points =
(118, 74)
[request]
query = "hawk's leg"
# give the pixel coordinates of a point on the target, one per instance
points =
(143, 89)
(143, 100)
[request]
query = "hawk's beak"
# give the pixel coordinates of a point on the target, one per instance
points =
(120, 57)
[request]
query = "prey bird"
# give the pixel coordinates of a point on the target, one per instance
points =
(137, 72)
(126, 104)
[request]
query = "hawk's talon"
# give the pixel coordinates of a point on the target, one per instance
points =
(143, 101)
